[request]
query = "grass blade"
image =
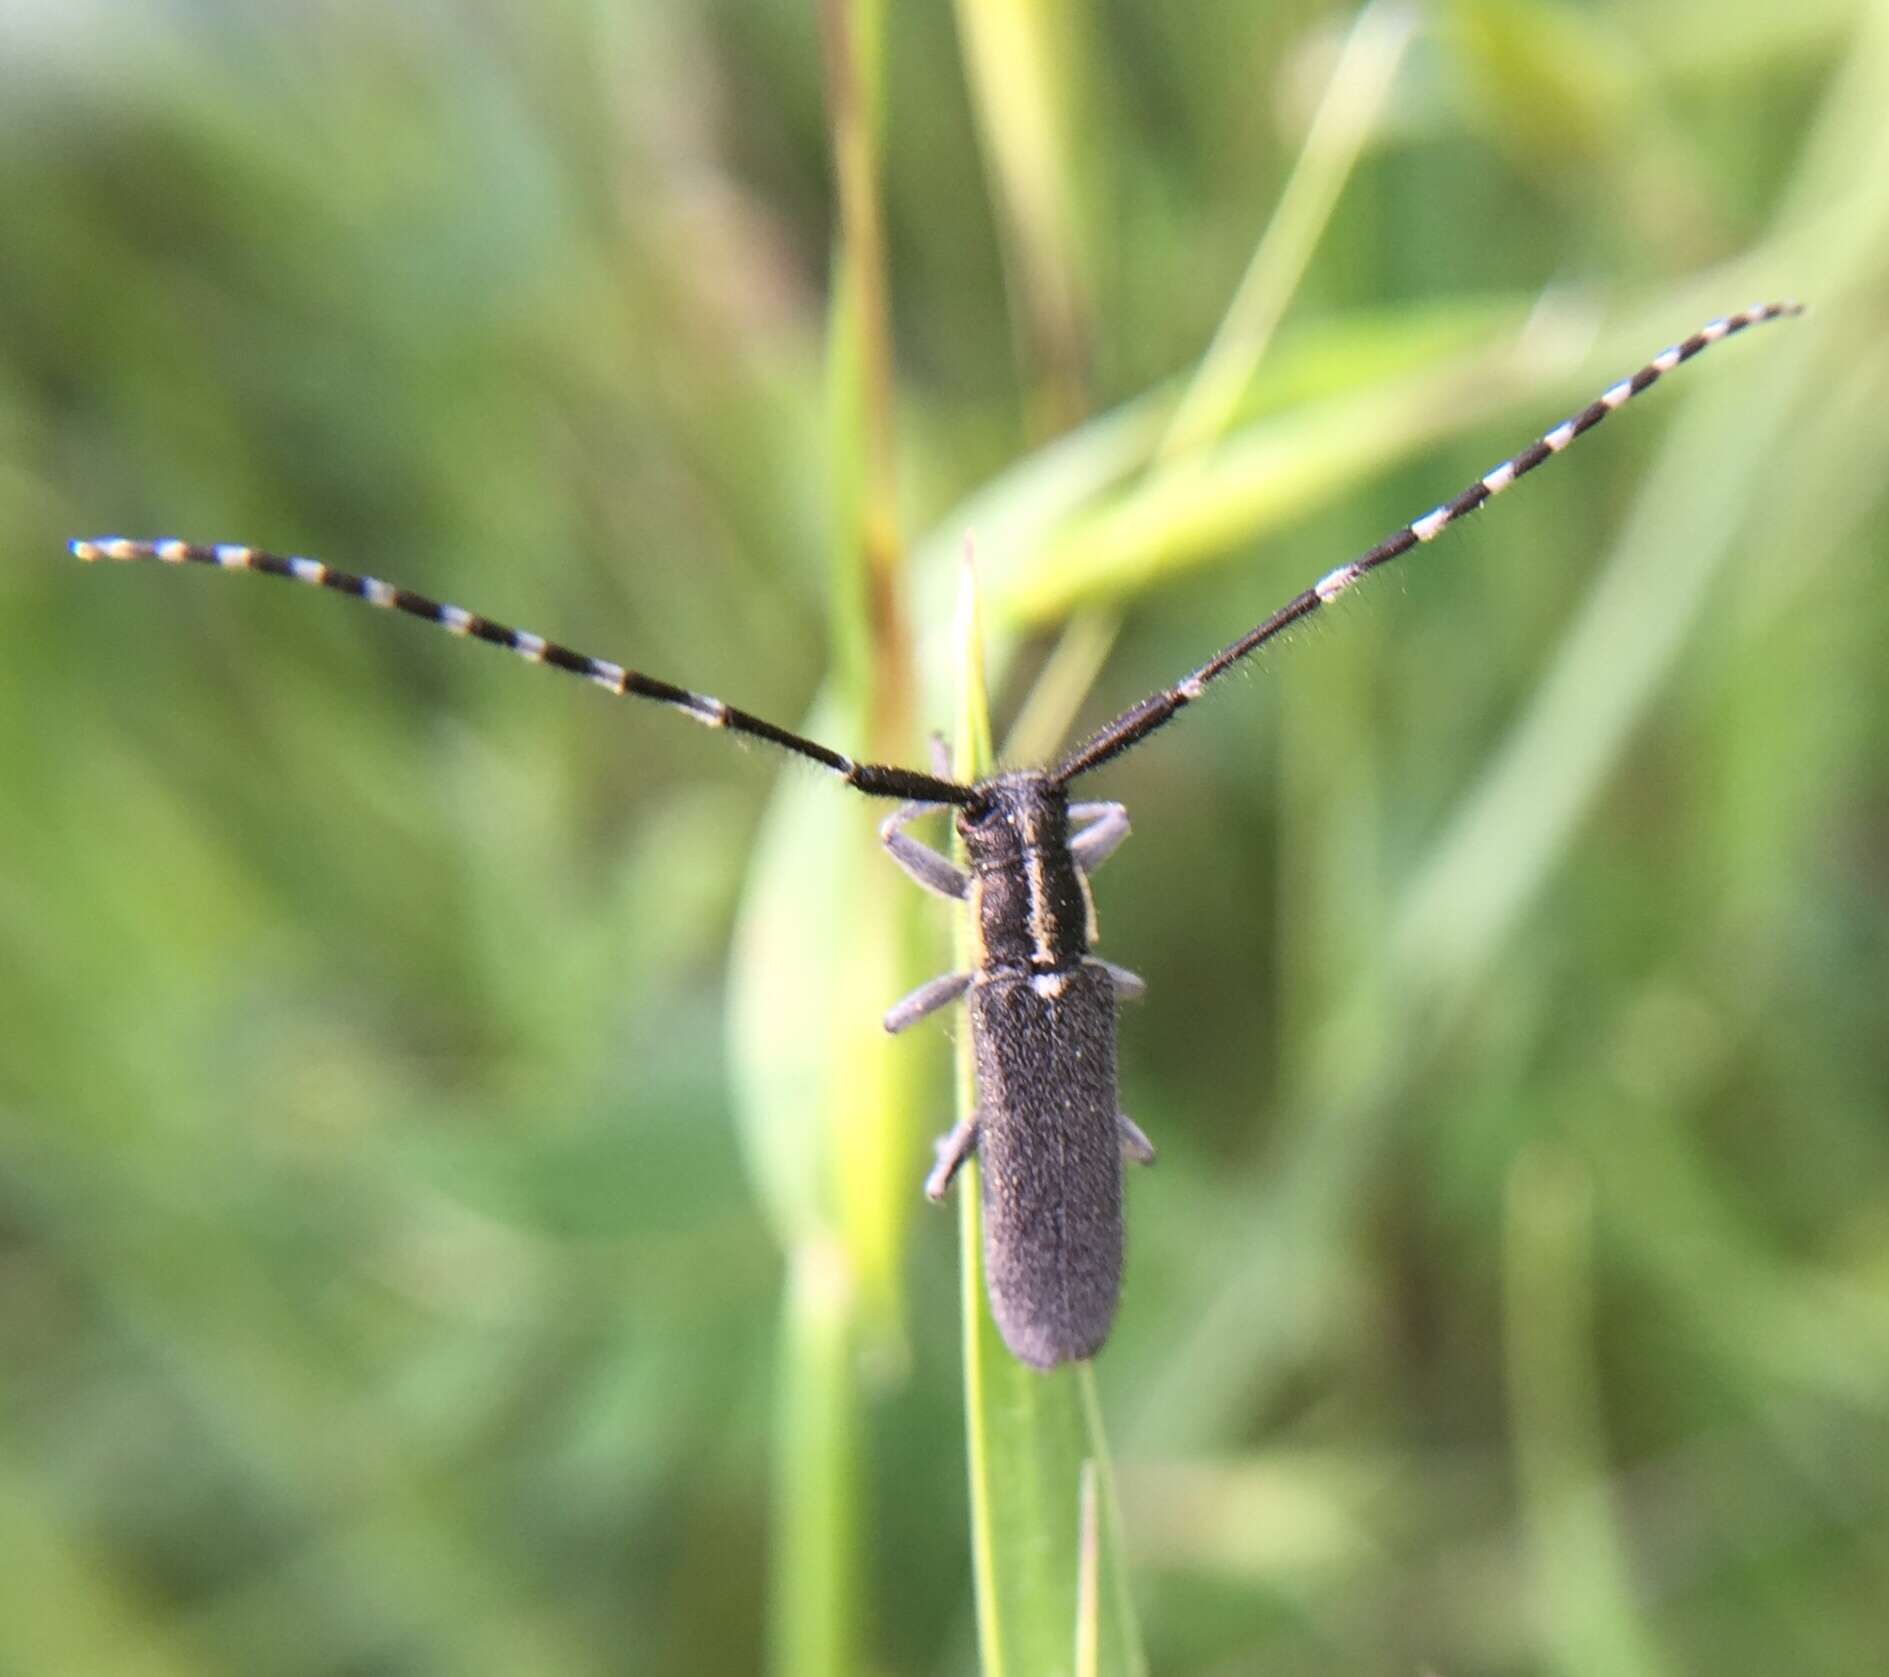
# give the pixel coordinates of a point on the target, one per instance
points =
(1034, 1440)
(1346, 117)
(1590, 1620)
(822, 950)
(1026, 65)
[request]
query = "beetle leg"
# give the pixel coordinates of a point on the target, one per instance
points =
(1097, 842)
(1129, 986)
(1135, 1145)
(953, 1150)
(920, 861)
(925, 1000)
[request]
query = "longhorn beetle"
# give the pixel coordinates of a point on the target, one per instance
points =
(1046, 1129)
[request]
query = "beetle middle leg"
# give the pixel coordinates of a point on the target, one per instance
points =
(953, 1150)
(926, 1000)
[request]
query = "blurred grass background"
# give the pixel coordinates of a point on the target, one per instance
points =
(383, 1284)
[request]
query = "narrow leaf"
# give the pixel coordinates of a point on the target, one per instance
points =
(1033, 1438)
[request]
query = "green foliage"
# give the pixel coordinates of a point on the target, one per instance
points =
(409, 1266)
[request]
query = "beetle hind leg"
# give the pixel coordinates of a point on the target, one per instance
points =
(953, 1149)
(1136, 1147)
(1129, 986)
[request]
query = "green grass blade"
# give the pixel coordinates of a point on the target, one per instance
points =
(1088, 1575)
(822, 950)
(1033, 520)
(1590, 1622)
(1026, 63)
(816, 1603)
(1512, 828)
(1346, 118)
(1034, 1440)
(1279, 467)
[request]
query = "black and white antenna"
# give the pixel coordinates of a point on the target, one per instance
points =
(881, 780)
(1137, 722)
(875, 779)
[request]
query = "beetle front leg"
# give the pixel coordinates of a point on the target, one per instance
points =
(919, 861)
(1097, 842)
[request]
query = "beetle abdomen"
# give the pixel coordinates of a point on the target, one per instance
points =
(1050, 1155)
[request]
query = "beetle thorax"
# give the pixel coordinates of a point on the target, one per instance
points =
(1029, 899)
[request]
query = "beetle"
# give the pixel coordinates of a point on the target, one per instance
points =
(1047, 1128)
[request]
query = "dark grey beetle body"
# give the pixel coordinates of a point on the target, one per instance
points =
(1047, 1130)
(1042, 1006)
(1051, 1156)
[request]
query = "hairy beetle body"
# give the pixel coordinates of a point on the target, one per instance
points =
(1047, 1129)
(1050, 1151)
(1043, 1036)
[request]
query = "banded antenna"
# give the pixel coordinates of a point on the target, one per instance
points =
(876, 780)
(1139, 721)
(881, 780)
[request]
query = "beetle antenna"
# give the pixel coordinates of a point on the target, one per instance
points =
(1139, 721)
(876, 780)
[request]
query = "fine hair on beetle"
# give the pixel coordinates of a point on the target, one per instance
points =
(1047, 1128)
